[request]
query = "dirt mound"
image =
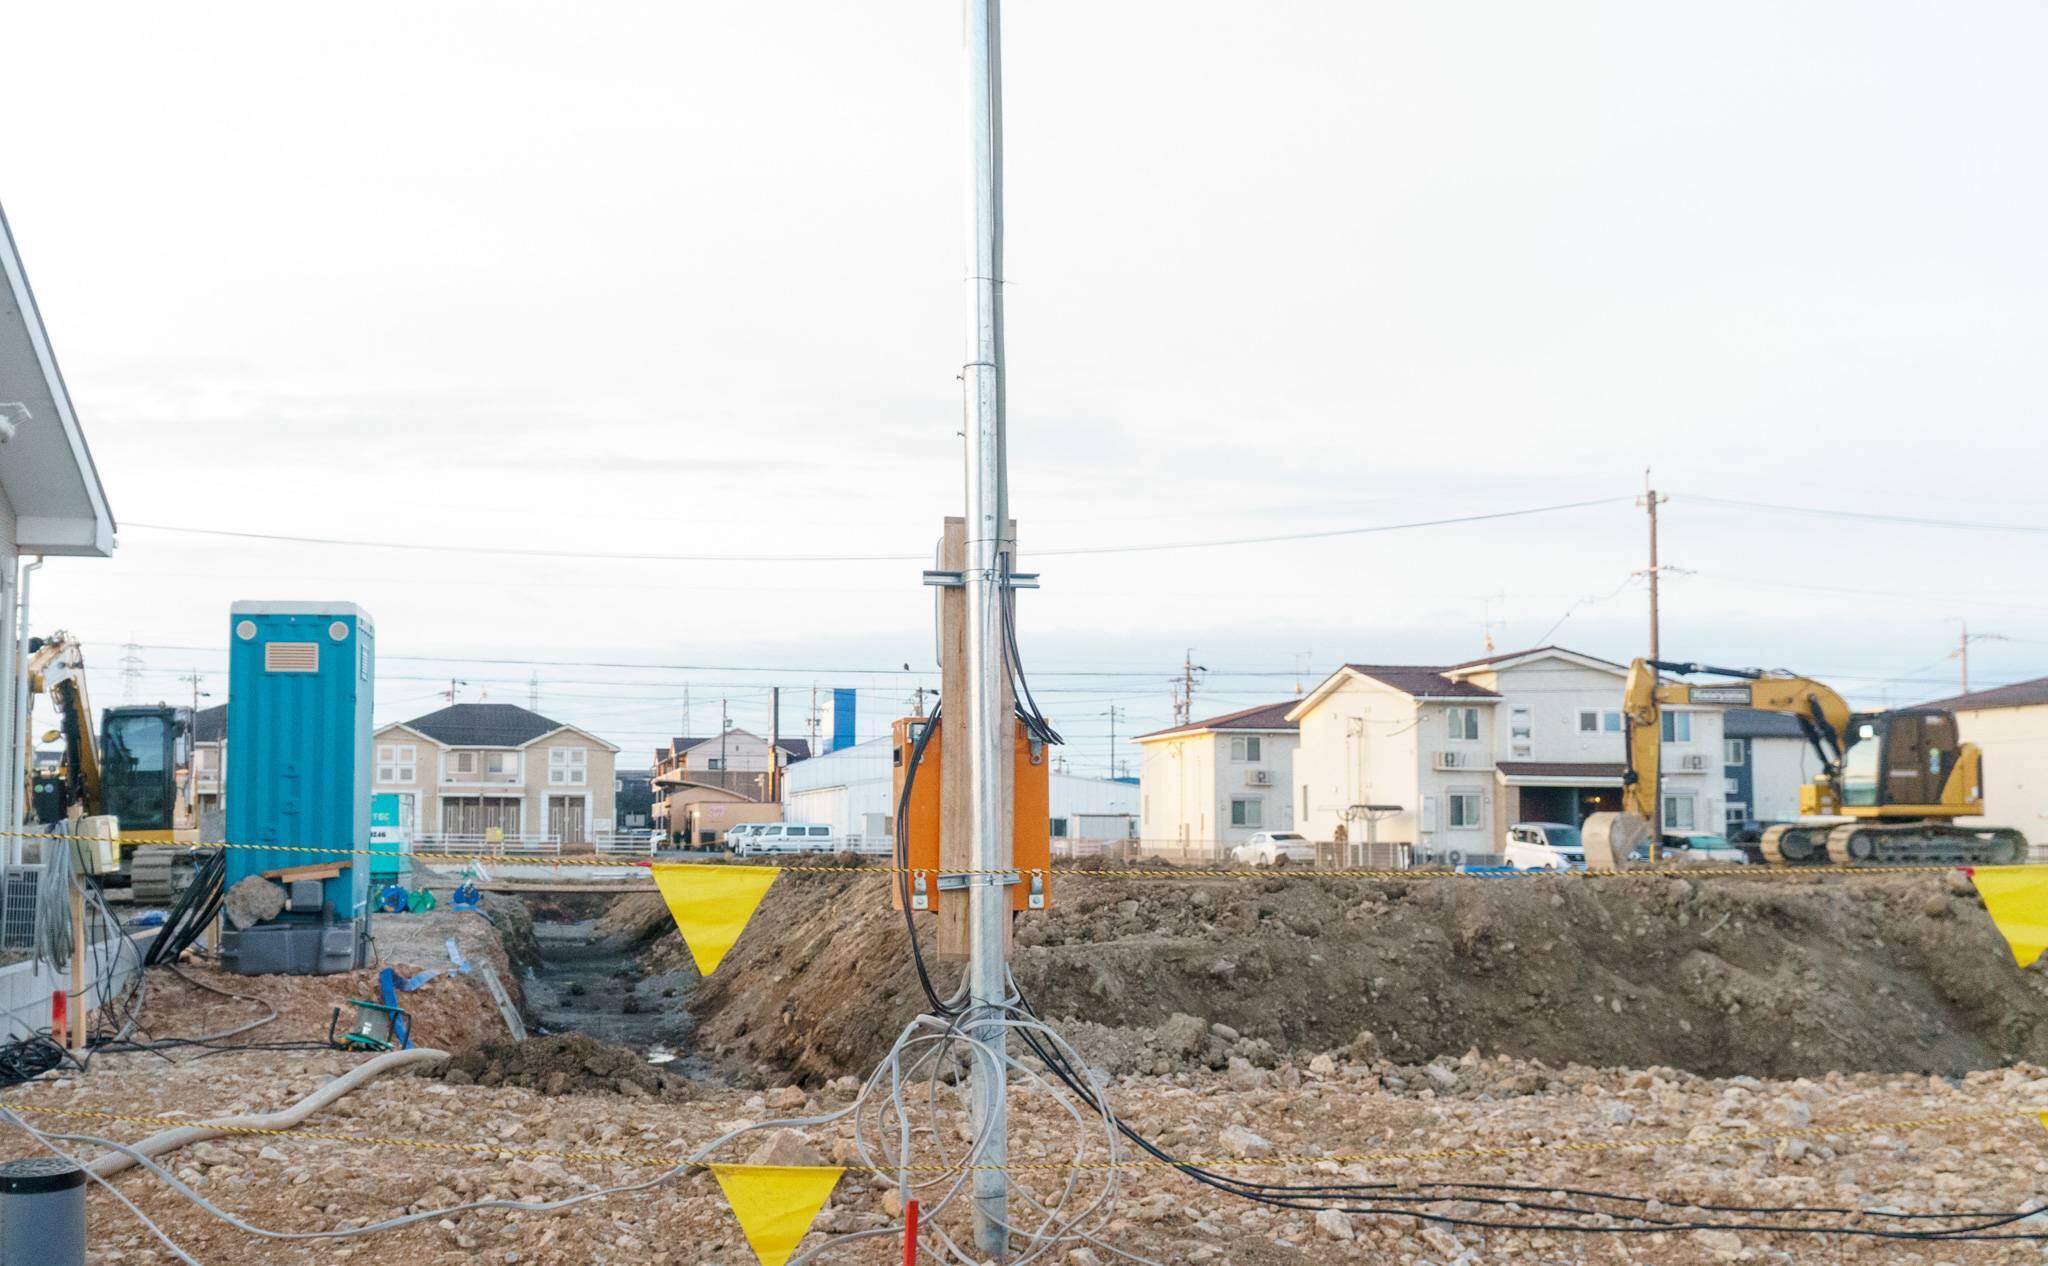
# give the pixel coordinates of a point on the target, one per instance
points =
(561, 1064)
(1778, 977)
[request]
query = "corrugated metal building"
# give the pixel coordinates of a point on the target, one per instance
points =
(849, 791)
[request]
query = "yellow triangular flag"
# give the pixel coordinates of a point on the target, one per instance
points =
(776, 1204)
(2017, 898)
(711, 905)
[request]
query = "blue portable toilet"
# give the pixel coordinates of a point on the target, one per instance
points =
(301, 680)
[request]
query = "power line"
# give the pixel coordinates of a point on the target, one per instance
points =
(418, 547)
(1911, 520)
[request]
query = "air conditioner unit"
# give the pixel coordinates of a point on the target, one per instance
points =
(1258, 777)
(1459, 760)
(18, 891)
(1693, 763)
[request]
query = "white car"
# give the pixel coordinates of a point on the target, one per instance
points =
(1271, 848)
(788, 837)
(1544, 846)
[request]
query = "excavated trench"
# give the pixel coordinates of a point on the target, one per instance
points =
(578, 977)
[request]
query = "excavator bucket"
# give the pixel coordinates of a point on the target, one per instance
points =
(1610, 839)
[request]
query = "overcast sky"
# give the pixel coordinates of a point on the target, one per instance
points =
(684, 278)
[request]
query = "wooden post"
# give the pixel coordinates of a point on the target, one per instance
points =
(78, 951)
(954, 851)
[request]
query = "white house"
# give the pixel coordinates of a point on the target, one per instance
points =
(51, 501)
(850, 790)
(472, 769)
(1209, 785)
(2010, 725)
(1767, 760)
(1462, 752)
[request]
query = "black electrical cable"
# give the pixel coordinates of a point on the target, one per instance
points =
(901, 856)
(1388, 1198)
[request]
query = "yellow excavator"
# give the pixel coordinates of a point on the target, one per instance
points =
(137, 769)
(1891, 786)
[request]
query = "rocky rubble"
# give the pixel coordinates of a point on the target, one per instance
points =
(1341, 1103)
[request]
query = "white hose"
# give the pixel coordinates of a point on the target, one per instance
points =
(180, 1136)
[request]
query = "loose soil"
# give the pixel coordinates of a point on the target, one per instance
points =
(561, 1064)
(1782, 977)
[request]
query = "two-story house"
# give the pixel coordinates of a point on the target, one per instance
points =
(704, 786)
(1207, 786)
(1456, 754)
(473, 771)
(1766, 760)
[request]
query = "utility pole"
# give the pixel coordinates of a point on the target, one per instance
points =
(920, 701)
(193, 679)
(131, 672)
(533, 691)
(1651, 499)
(1112, 714)
(449, 693)
(724, 724)
(988, 725)
(775, 744)
(1184, 699)
(686, 710)
(1961, 654)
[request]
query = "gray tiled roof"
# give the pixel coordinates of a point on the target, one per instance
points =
(1421, 681)
(1267, 716)
(484, 725)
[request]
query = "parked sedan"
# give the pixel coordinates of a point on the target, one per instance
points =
(1698, 848)
(1271, 848)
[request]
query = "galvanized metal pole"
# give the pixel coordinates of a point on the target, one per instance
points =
(989, 734)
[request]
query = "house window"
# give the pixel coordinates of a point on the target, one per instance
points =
(1248, 813)
(396, 762)
(1731, 787)
(465, 762)
(1595, 721)
(1465, 809)
(1059, 828)
(1464, 723)
(1737, 814)
(1245, 748)
(1521, 732)
(713, 763)
(1681, 813)
(501, 762)
(568, 767)
(1677, 727)
(1733, 753)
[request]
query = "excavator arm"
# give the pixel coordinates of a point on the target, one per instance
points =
(1823, 715)
(56, 668)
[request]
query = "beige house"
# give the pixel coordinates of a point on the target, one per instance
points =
(491, 772)
(209, 768)
(2010, 725)
(1208, 786)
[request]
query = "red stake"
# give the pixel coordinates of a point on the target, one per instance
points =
(60, 1016)
(910, 1233)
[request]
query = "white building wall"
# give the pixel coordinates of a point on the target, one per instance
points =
(1550, 694)
(1778, 768)
(1360, 744)
(741, 752)
(12, 776)
(1705, 786)
(1177, 781)
(1434, 829)
(850, 790)
(2015, 746)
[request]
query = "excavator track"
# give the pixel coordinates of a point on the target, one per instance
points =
(156, 875)
(1924, 843)
(1791, 844)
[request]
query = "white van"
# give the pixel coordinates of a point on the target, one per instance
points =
(788, 837)
(742, 832)
(1545, 846)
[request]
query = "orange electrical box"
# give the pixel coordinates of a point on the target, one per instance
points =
(921, 822)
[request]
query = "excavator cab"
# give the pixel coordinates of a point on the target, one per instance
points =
(1907, 757)
(146, 769)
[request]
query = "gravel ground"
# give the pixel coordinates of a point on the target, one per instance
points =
(1338, 1104)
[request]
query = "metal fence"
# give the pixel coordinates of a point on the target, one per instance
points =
(608, 843)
